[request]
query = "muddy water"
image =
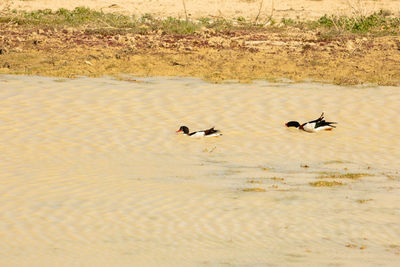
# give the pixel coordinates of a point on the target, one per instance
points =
(93, 173)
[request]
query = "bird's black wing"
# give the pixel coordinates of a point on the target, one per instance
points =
(325, 123)
(321, 118)
(210, 131)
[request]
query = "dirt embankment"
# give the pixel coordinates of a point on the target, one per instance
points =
(241, 55)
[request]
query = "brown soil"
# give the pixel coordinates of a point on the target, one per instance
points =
(242, 55)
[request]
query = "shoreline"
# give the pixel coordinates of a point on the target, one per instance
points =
(230, 50)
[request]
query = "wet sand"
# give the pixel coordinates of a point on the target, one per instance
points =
(93, 174)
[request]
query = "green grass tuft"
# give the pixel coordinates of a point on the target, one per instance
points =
(288, 22)
(375, 23)
(176, 26)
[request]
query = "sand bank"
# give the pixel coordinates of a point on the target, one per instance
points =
(243, 55)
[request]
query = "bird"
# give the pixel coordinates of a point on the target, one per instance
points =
(205, 133)
(313, 126)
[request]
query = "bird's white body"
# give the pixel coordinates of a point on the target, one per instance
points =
(310, 128)
(203, 134)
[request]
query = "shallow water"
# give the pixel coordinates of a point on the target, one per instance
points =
(93, 174)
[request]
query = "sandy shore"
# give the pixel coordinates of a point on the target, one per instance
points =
(303, 9)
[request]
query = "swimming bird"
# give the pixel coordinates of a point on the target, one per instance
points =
(313, 126)
(209, 132)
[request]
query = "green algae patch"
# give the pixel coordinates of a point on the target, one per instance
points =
(362, 201)
(253, 181)
(343, 175)
(254, 190)
(277, 179)
(336, 162)
(325, 183)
